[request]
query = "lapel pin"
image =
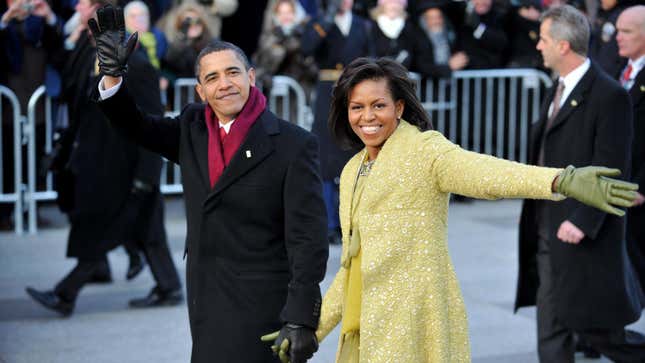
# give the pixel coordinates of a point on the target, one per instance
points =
(248, 154)
(642, 88)
(574, 103)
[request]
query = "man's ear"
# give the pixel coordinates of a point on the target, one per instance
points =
(251, 73)
(200, 92)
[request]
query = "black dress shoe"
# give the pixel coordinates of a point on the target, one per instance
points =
(156, 297)
(51, 301)
(136, 266)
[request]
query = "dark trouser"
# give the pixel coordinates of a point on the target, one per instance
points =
(149, 236)
(636, 241)
(69, 287)
(555, 341)
(161, 265)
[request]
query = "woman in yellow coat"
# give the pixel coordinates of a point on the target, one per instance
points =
(396, 294)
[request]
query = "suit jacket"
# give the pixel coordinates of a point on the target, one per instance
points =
(412, 310)
(636, 215)
(256, 242)
(593, 127)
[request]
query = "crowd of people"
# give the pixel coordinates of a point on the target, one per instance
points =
(264, 198)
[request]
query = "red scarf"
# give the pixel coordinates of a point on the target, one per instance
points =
(221, 153)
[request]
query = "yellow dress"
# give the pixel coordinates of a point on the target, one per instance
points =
(411, 306)
(349, 350)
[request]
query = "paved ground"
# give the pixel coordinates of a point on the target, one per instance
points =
(103, 329)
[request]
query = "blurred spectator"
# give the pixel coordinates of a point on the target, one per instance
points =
(23, 60)
(394, 35)
(604, 49)
(151, 39)
(480, 34)
(215, 11)
(523, 29)
(334, 39)
(279, 49)
(188, 35)
(434, 53)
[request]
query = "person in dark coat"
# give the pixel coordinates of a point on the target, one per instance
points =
(523, 28)
(97, 159)
(256, 222)
(604, 49)
(585, 120)
(435, 52)
(334, 39)
(480, 32)
(630, 38)
(393, 33)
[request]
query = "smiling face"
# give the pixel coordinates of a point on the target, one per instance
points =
(224, 83)
(373, 113)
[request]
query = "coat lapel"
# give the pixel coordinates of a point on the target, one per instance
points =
(199, 137)
(575, 99)
(255, 148)
(637, 92)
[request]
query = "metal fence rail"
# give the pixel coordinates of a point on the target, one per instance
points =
(14, 197)
(486, 111)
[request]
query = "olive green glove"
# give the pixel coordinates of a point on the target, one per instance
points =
(280, 351)
(591, 185)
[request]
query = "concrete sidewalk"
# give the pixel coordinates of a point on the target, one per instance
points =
(483, 245)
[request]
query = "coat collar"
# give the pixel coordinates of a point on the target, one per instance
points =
(385, 161)
(256, 147)
(637, 92)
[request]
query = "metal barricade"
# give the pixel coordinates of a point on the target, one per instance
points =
(284, 90)
(496, 122)
(32, 196)
(15, 197)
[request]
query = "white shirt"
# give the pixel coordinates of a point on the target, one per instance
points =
(571, 80)
(344, 22)
(107, 93)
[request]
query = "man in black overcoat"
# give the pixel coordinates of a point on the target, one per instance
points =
(255, 243)
(94, 157)
(573, 260)
(630, 37)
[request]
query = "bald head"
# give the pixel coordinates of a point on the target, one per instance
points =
(631, 32)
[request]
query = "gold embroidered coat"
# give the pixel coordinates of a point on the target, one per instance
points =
(412, 309)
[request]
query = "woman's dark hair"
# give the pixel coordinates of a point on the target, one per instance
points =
(400, 85)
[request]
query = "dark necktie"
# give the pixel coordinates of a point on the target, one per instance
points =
(549, 122)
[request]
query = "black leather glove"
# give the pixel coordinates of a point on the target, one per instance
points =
(302, 343)
(109, 34)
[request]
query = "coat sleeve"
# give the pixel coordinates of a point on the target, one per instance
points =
(482, 176)
(331, 312)
(313, 38)
(305, 236)
(155, 133)
(612, 148)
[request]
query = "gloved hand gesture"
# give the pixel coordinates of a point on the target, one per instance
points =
(109, 34)
(591, 185)
(293, 343)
